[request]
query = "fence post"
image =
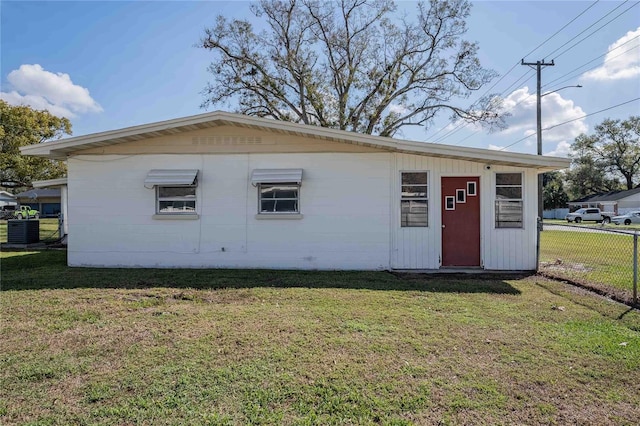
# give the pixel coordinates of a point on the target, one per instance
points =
(635, 267)
(539, 228)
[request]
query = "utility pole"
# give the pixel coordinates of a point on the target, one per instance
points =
(539, 65)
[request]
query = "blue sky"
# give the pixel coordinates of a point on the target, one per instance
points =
(108, 64)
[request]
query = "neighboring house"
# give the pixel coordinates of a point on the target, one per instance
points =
(61, 185)
(46, 200)
(619, 202)
(7, 199)
(224, 190)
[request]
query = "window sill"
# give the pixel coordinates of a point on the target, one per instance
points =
(283, 216)
(176, 216)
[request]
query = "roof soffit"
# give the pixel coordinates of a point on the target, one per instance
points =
(63, 148)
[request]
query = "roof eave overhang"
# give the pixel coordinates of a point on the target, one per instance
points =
(62, 149)
(49, 183)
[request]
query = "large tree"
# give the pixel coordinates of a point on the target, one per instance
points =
(554, 194)
(611, 153)
(587, 177)
(355, 65)
(22, 126)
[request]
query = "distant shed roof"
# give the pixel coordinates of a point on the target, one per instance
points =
(34, 194)
(7, 196)
(607, 196)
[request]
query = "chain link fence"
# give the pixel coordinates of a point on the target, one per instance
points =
(602, 259)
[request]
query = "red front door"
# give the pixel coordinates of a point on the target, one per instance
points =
(461, 221)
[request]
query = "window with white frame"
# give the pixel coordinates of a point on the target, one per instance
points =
(278, 198)
(414, 201)
(176, 199)
(509, 200)
(278, 191)
(175, 190)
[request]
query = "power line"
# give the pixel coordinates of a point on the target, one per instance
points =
(557, 32)
(569, 121)
(465, 138)
(593, 32)
(460, 126)
(586, 29)
(593, 113)
(539, 46)
(565, 80)
(593, 67)
(582, 72)
(453, 131)
(575, 69)
(595, 59)
(524, 77)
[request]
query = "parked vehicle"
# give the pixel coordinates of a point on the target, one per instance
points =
(594, 215)
(7, 212)
(26, 212)
(627, 219)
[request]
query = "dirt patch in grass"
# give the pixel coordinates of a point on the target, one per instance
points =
(614, 293)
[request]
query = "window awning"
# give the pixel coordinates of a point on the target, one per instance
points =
(177, 177)
(276, 176)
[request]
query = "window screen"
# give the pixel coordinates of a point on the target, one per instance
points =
(279, 198)
(414, 200)
(509, 200)
(176, 199)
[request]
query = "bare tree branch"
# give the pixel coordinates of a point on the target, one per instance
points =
(350, 64)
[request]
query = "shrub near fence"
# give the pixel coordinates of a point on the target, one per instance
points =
(595, 257)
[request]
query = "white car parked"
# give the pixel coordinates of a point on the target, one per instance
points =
(627, 219)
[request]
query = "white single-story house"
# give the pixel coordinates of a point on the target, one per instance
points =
(7, 199)
(620, 202)
(222, 190)
(60, 185)
(46, 200)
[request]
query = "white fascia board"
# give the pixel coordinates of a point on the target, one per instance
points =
(46, 149)
(49, 183)
(60, 149)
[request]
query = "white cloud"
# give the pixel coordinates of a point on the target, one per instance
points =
(621, 63)
(398, 109)
(555, 110)
(562, 150)
(34, 86)
(496, 148)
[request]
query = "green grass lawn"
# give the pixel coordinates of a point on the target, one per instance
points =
(604, 259)
(48, 230)
(114, 346)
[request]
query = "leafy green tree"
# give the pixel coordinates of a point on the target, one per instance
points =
(350, 65)
(610, 154)
(586, 177)
(22, 126)
(553, 193)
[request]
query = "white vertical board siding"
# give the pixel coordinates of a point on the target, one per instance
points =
(512, 249)
(500, 249)
(344, 201)
(421, 248)
(414, 247)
